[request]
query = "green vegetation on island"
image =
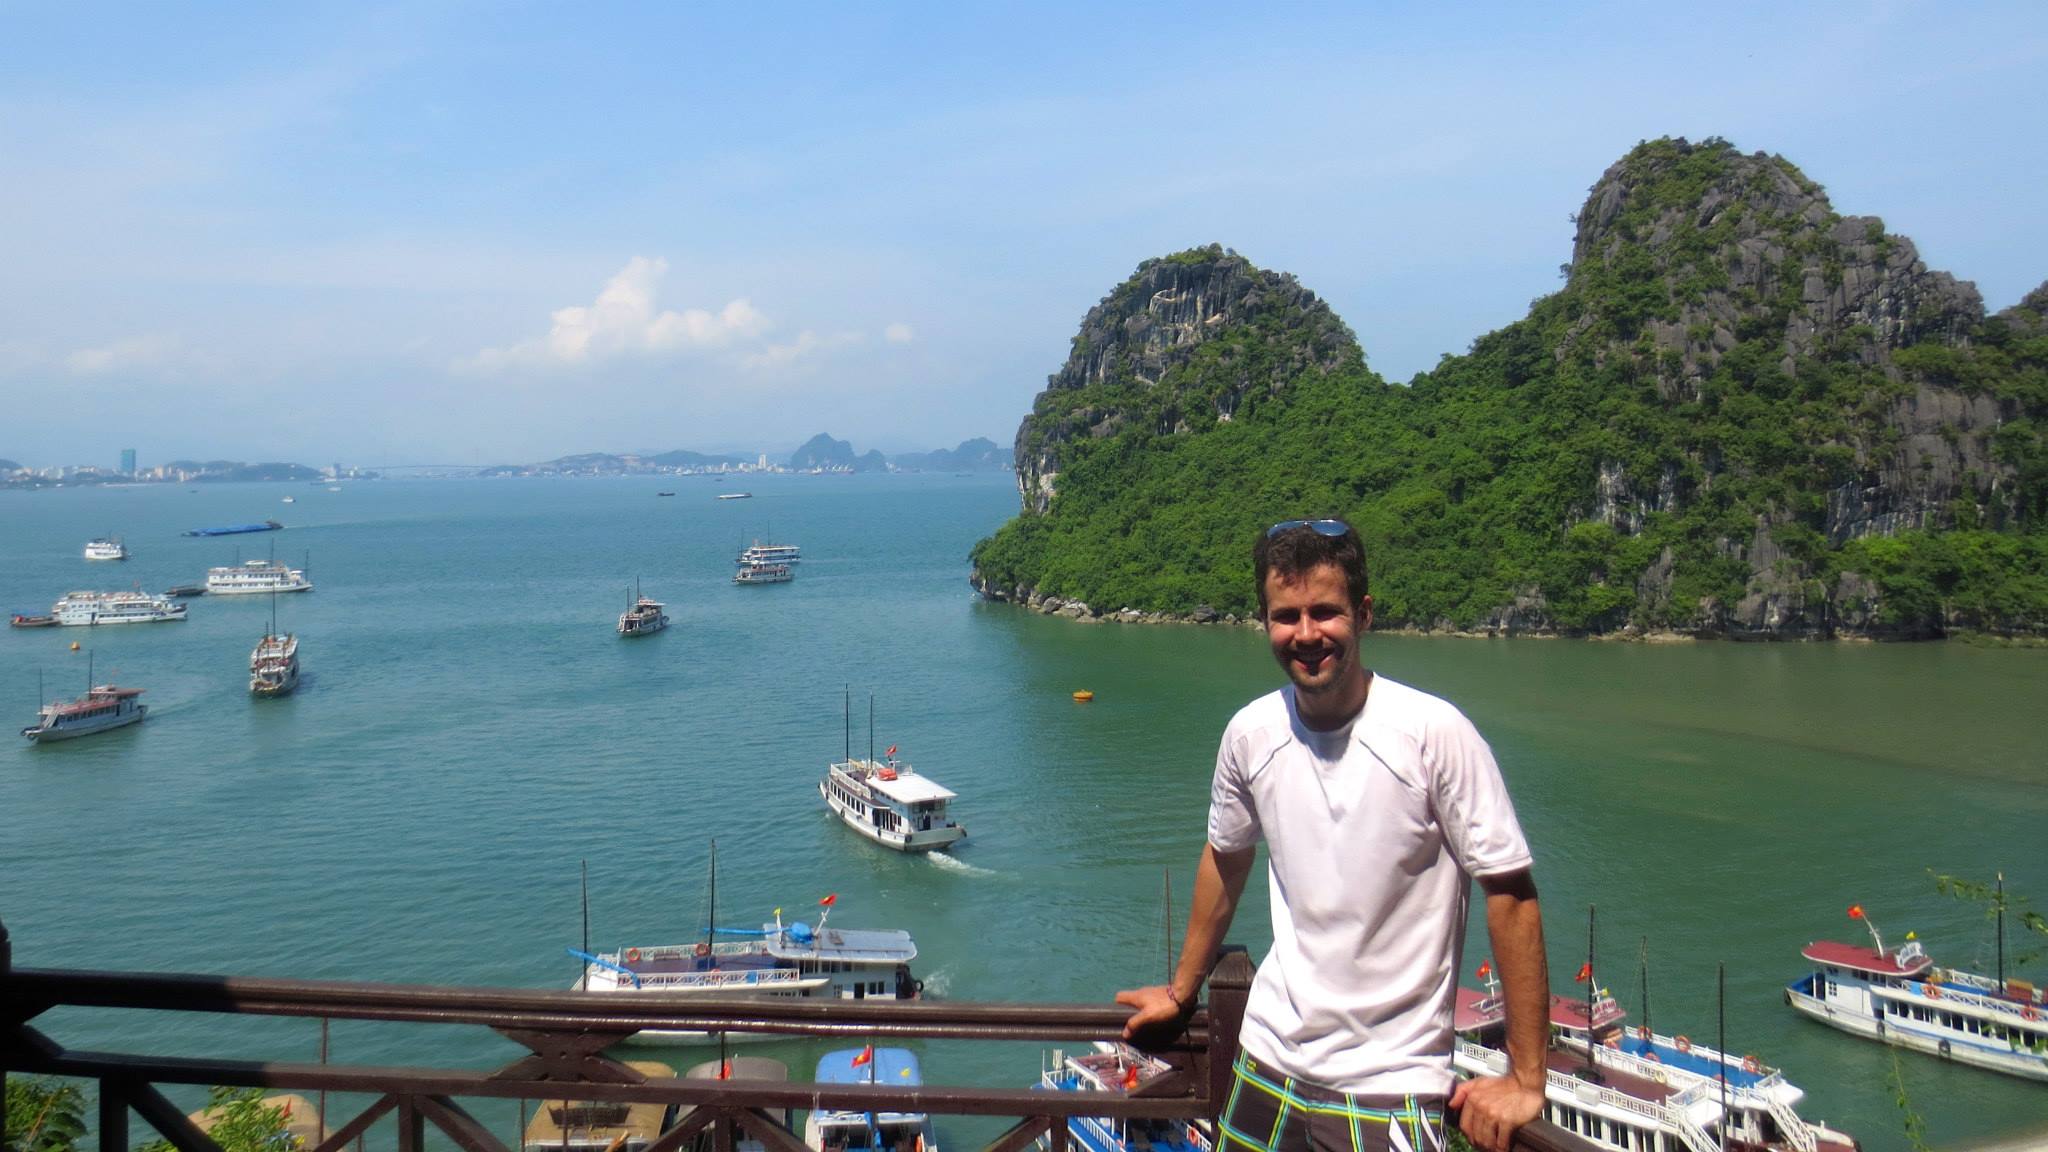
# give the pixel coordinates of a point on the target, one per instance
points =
(1743, 415)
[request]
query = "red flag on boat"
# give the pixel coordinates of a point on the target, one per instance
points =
(725, 1070)
(1485, 969)
(864, 1056)
(891, 751)
(829, 901)
(1855, 911)
(1585, 973)
(1130, 1077)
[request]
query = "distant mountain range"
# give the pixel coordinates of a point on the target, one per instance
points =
(820, 453)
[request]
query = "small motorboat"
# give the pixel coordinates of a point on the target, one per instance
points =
(22, 620)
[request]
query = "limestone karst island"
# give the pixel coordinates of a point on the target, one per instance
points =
(1744, 415)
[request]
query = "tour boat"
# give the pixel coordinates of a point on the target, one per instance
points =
(185, 591)
(827, 1130)
(1900, 997)
(886, 800)
(599, 1125)
(24, 620)
(735, 495)
(106, 548)
(1115, 1069)
(780, 960)
(763, 574)
(642, 616)
(274, 664)
(102, 707)
(254, 576)
(1636, 1091)
(290, 500)
(235, 529)
(759, 553)
(78, 609)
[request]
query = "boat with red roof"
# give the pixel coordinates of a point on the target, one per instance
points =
(1630, 1090)
(103, 707)
(1901, 997)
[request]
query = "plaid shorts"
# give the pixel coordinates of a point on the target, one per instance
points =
(1272, 1112)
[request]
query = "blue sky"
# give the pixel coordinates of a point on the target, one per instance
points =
(454, 233)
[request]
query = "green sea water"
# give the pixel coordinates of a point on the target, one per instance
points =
(469, 729)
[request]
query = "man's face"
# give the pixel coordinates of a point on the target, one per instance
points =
(1314, 628)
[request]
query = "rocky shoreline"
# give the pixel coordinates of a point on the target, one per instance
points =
(1506, 623)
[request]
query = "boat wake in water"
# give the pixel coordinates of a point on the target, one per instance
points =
(953, 863)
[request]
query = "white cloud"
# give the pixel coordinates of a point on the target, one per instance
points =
(807, 345)
(898, 333)
(132, 353)
(625, 320)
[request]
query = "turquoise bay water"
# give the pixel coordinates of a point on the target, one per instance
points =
(469, 729)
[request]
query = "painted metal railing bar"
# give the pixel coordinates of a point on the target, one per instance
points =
(699, 1093)
(1021, 1134)
(38, 989)
(769, 1131)
(684, 1132)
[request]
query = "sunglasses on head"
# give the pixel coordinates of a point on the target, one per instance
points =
(1319, 527)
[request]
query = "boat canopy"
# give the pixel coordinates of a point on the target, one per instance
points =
(909, 788)
(896, 1067)
(1863, 959)
(854, 945)
(1476, 1009)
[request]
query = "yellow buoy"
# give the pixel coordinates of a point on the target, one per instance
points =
(74, 645)
(1084, 695)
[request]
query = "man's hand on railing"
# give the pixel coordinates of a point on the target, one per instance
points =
(1491, 1108)
(1156, 1008)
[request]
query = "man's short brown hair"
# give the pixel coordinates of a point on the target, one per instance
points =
(1294, 551)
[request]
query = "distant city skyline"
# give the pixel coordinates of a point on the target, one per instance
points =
(451, 234)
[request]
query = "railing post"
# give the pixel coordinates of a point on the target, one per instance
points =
(113, 1117)
(6, 997)
(1230, 985)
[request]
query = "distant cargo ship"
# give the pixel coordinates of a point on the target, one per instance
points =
(235, 529)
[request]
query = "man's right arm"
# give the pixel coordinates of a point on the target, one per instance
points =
(1219, 881)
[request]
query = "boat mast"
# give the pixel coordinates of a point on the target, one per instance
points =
(88, 672)
(1592, 983)
(846, 716)
(871, 727)
(1647, 1033)
(586, 924)
(2000, 905)
(711, 916)
(1721, 1042)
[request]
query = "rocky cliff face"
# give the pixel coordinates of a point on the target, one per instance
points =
(1134, 357)
(1696, 252)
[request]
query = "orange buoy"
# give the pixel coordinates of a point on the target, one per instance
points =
(1084, 695)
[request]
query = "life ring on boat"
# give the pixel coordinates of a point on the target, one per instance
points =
(1933, 993)
(1682, 1042)
(1752, 1065)
(702, 949)
(632, 955)
(2030, 1013)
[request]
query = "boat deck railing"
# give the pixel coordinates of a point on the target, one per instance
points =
(565, 1035)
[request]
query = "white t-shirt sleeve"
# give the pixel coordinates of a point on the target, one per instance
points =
(1233, 818)
(1472, 804)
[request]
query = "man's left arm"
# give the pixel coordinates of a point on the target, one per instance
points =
(1491, 1108)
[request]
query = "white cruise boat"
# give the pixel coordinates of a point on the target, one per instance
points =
(102, 707)
(759, 553)
(763, 574)
(1643, 1092)
(253, 576)
(785, 961)
(886, 800)
(274, 665)
(642, 616)
(106, 548)
(89, 608)
(831, 1131)
(1901, 998)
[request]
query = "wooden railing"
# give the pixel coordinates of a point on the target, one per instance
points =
(566, 1035)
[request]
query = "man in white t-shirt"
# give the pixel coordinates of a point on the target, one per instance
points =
(1378, 805)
